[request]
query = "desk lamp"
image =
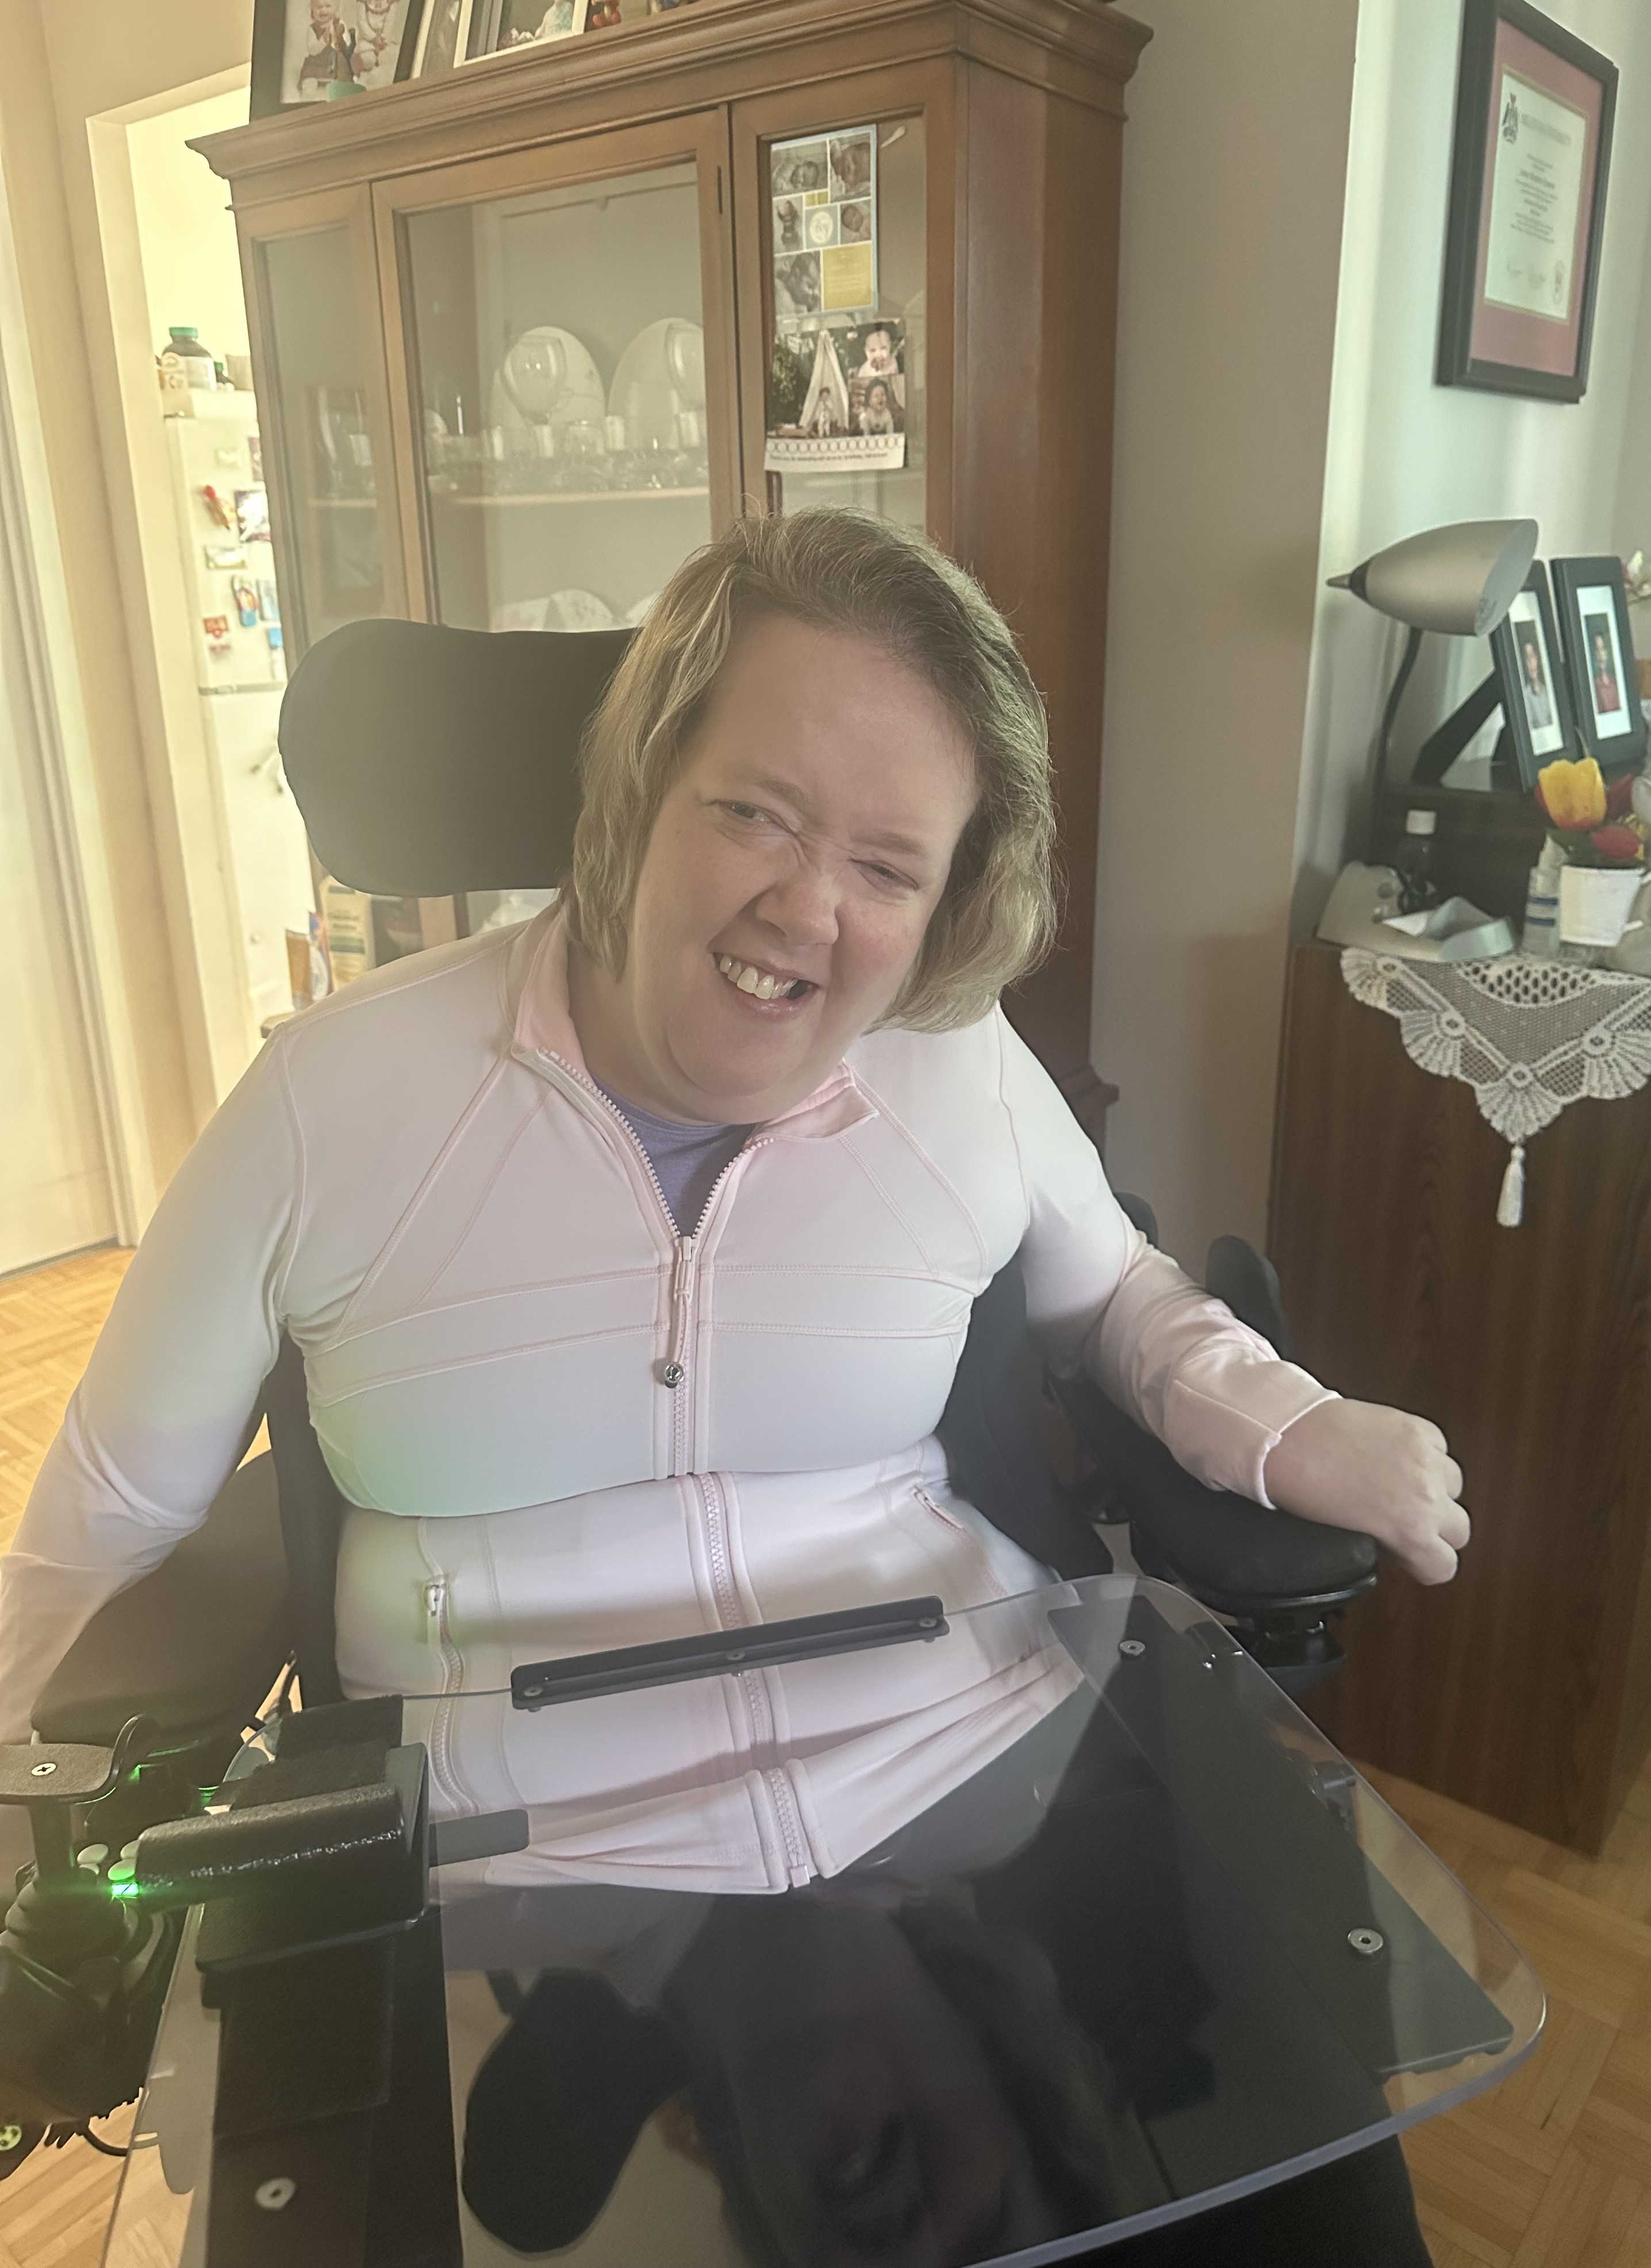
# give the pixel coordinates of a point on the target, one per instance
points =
(1462, 580)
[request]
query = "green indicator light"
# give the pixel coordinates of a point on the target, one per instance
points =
(127, 1889)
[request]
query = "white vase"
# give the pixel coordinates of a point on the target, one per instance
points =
(1595, 901)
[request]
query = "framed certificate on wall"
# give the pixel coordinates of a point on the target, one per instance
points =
(1534, 112)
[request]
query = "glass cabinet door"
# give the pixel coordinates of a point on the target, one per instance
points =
(839, 272)
(567, 376)
(315, 304)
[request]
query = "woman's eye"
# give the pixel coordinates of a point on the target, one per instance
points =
(750, 813)
(886, 877)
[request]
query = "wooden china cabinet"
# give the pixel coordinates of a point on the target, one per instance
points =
(510, 329)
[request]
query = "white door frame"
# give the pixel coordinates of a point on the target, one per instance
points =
(28, 531)
(197, 865)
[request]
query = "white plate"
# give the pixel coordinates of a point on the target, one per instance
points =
(661, 372)
(578, 610)
(548, 378)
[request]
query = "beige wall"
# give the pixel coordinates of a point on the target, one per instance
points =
(61, 68)
(1234, 166)
(191, 257)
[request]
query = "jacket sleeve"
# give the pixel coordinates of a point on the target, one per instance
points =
(163, 1414)
(1100, 1299)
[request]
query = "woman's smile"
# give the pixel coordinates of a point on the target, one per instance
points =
(763, 986)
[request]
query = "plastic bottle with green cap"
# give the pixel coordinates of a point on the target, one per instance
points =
(197, 359)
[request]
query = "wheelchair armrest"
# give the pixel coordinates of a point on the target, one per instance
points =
(197, 1643)
(1240, 1557)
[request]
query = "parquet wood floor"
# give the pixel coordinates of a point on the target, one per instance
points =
(1552, 2170)
(48, 1319)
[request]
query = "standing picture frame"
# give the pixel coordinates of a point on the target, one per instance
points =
(1591, 600)
(1531, 670)
(1534, 111)
(310, 51)
(501, 26)
(444, 37)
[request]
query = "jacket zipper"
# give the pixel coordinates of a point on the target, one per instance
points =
(800, 1861)
(436, 1610)
(673, 1374)
(731, 1614)
(673, 1371)
(441, 1761)
(799, 1865)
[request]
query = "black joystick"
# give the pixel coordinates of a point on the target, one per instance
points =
(82, 1967)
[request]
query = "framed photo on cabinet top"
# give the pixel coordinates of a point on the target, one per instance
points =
(1534, 108)
(1591, 599)
(444, 37)
(504, 25)
(306, 51)
(1530, 671)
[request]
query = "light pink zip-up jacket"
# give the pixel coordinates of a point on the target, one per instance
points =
(418, 1180)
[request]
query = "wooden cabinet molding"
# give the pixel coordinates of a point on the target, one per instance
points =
(714, 51)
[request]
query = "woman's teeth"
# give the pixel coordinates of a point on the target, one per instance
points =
(758, 983)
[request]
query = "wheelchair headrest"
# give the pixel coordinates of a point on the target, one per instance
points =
(428, 761)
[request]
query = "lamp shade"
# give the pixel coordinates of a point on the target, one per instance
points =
(1460, 579)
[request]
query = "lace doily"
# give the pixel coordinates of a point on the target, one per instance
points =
(1527, 1036)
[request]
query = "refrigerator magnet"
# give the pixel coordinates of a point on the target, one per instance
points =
(225, 555)
(222, 516)
(269, 604)
(245, 599)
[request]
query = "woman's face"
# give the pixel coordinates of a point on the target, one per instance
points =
(789, 879)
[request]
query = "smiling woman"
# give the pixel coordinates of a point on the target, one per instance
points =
(632, 1253)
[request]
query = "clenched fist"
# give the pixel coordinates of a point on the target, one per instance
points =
(1356, 1464)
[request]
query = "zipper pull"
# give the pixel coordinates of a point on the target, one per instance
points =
(435, 1601)
(672, 1370)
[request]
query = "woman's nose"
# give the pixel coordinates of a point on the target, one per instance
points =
(802, 904)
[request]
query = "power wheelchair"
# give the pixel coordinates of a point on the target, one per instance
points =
(433, 762)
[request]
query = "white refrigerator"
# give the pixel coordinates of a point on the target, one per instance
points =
(223, 524)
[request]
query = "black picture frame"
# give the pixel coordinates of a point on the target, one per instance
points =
(1525, 628)
(267, 94)
(1495, 364)
(1587, 593)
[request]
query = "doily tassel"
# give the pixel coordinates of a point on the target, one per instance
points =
(1510, 1206)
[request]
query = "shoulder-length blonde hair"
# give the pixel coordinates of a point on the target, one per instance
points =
(845, 571)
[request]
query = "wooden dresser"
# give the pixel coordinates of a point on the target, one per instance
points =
(1524, 1687)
